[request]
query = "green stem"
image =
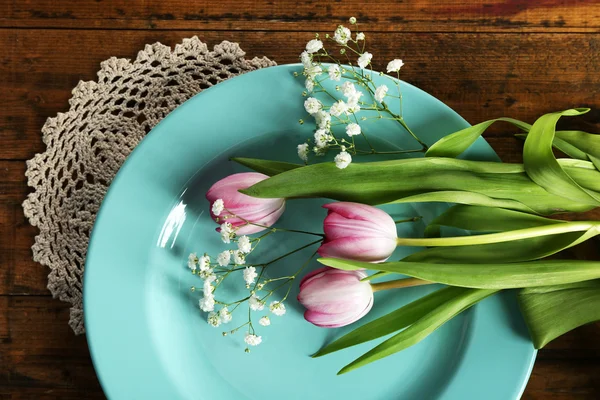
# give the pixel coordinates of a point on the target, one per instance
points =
(413, 219)
(399, 283)
(401, 120)
(291, 252)
(368, 153)
(273, 230)
(518, 234)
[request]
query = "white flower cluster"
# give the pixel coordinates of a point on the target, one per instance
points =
(205, 269)
(227, 262)
(342, 111)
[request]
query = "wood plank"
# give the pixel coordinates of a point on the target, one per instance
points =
(40, 356)
(522, 76)
(388, 15)
(19, 274)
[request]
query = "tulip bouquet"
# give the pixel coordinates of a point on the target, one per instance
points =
(506, 209)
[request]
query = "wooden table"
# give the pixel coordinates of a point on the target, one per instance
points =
(484, 58)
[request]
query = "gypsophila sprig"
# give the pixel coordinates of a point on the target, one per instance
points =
(192, 261)
(217, 207)
(255, 288)
(359, 93)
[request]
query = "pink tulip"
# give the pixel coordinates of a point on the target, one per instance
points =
(335, 298)
(358, 232)
(240, 207)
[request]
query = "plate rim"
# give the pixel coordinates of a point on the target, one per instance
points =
(151, 137)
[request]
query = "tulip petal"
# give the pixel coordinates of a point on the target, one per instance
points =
(373, 250)
(313, 273)
(325, 320)
(245, 208)
(337, 226)
(357, 211)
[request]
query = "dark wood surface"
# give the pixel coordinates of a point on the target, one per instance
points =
(484, 58)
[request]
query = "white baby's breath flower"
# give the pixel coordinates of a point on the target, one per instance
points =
(338, 108)
(204, 263)
(255, 303)
(360, 36)
(312, 71)
(313, 46)
(208, 288)
(192, 261)
(353, 129)
(348, 89)
(335, 73)
(394, 65)
(380, 93)
(265, 321)
(226, 232)
(312, 105)
(342, 160)
(207, 303)
(319, 151)
(342, 35)
(277, 308)
(352, 20)
(321, 137)
(244, 244)
(303, 151)
(306, 59)
(223, 258)
(365, 59)
(352, 109)
(217, 207)
(323, 119)
(309, 84)
(239, 258)
(225, 315)
(214, 319)
(250, 275)
(207, 275)
(353, 100)
(252, 340)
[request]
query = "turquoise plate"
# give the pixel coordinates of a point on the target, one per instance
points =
(147, 336)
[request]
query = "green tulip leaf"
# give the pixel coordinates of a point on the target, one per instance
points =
(550, 312)
(422, 328)
(470, 198)
(266, 167)
(586, 142)
(392, 322)
(583, 173)
(485, 276)
(418, 179)
(486, 219)
(506, 252)
(566, 147)
(456, 143)
(595, 161)
(543, 168)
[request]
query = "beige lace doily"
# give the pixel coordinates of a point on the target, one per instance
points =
(87, 145)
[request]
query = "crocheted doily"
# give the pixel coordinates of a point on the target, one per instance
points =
(87, 145)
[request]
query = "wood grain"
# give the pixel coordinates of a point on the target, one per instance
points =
(40, 356)
(519, 75)
(484, 58)
(291, 15)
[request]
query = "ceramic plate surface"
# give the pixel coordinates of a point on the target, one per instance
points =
(147, 336)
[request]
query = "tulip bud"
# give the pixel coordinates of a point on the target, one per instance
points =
(335, 298)
(240, 208)
(358, 232)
